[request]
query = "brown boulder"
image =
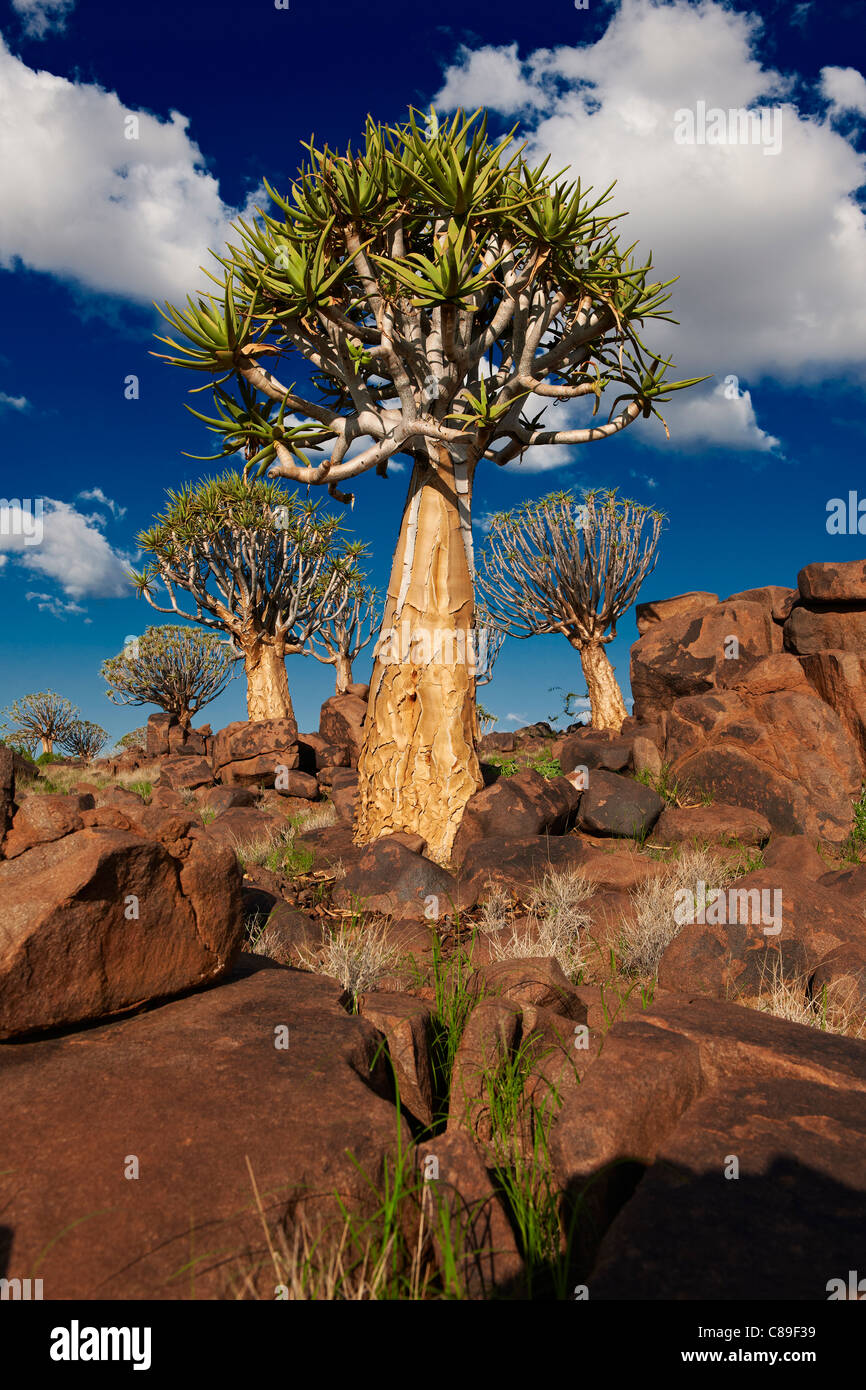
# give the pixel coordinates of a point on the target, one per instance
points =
(406, 1023)
(715, 824)
(526, 804)
(595, 748)
(251, 754)
(341, 723)
(661, 610)
(519, 865)
(771, 1165)
(535, 981)
(839, 583)
(684, 655)
(463, 1209)
(297, 784)
(227, 798)
(793, 854)
(611, 1126)
(496, 743)
(158, 726)
(103, 920)
(839, 679)
(43, 818)
(391, 879)
(758, 751)
(243, 826)
(808, 631)
(316, 754)
(614, 805)
(780, 601)
(345, 801)
(290, 937)
(182, 771)
(771, 928)
(266, 1074)
(488, 1040)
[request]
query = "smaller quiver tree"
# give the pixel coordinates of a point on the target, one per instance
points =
(559, 565)
(43, 716)
(350, 625)
(181, 669)
(84, 739)
(256, 564)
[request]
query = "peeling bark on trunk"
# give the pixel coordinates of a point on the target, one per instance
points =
(48, 745)
(343, 668)
(267, 683)
(419, 766)
(605, 697)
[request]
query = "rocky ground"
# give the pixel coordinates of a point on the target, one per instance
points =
(244, 1057)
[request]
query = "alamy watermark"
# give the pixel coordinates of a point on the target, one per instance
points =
(738, 126)
(421, 646)
(22, 518)
(846, 516)
(728, 906)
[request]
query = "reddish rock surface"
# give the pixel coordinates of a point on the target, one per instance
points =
(646, 1141)
(40, 819)
(397, 881)
(406, 1023)
(192, 1090)
(758, 751)
(715, 824)
(779, 600)
(661, 610)
(682, 655)
(840, 583)
(103, 920)
(250, 754)
(614, 805)
(341, 723)
(808, 631)
(461, 1195)
(839, 679)
(525, 804)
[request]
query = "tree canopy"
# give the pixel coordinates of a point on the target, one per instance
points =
(433, 281)
(181, 669)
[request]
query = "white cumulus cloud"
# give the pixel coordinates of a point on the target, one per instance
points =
(771, 282)
(65, 546)
(844, 89)
(95, 494)
(123, 216)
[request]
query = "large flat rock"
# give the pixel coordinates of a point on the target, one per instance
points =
(714, 1152)
(192, 1090)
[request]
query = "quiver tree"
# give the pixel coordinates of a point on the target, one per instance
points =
(257, 565)
(84, 739)
(557, 565)
(347, 630)
(181, 669)
(43, 716)
(24, 744)
(135, 739)
(442, 293)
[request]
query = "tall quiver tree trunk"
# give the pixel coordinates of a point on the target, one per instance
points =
(605, 697)
(267, 682)
(419, 764)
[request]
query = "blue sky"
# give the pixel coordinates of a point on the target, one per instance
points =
(769, 245)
